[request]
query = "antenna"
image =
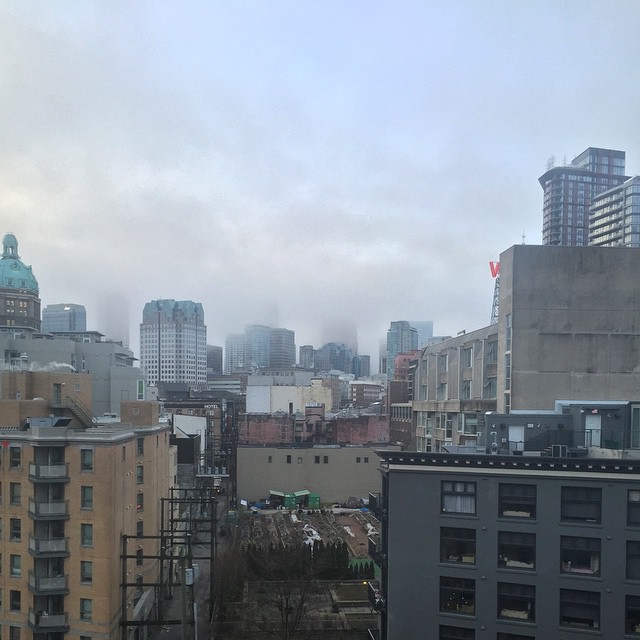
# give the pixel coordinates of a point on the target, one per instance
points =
(524, 237)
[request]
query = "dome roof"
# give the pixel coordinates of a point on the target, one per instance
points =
(14, 274)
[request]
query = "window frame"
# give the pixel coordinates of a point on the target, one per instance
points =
(15, 600)
(87, 461)
(513, 501)
(578, 600)
(517, 550)
(86, 609)
(632, 615)
(15, 565)
(86, 534)
(573, 507)
(86, 497)
(516, 598)
(575, 549)
(86, 577)
(458, 542)
(453, 494)
(460, 592)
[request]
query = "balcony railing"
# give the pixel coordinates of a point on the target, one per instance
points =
(376, 505)
(48, 545)
(47, 584)
(375, 550)
(40, 508)
(375, 595)
(42, 621)
(48, 472)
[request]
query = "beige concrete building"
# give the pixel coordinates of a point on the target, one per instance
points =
(334, 472)
(68, 497)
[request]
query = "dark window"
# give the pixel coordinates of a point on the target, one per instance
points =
(517, 501)
(86, 609)
(632, 615)
(139, 557)
(457, 595)
(139, 474)
(581, 504)
(139, 528)
(15, 566)
(455, 633)
(357, 460)
(15, 493)
(15, 457)
(14, 633)
(14, 600)
(516, 550)
(633, 507)
(513, 636)
(516, 601)
(457, 545)
(140, 446)
(579, 609)
(366, 459)
(580, 555)
(86, 497)
(86, 571)
(140, 502)
(316, 459)
(86, 535)
(86, 459)
(633, 560)
(325, 459)
(288, 459)
(458, 497)
(15, 529)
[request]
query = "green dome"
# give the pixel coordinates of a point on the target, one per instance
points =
(14, 274)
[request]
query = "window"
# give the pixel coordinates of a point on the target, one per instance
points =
(580, 555)
(15, 566)
(14, 600)
(325, 459)
(86, 459)
(633, 507)
(86, 572)
(299, 460)
(457, 595)
(366, 459)
(140, 446)
(140, 502)
(288, 459)
(139, 474)
(579, 609)
(139, 557)
(581, 504)
(455, 633)
(139, 528)
(14, 633)
(270, 459)
(632, 615)
(15, 529)
(15, 457)
(86, 497)
(15, 493)
(517, 500)
(467, 357)
(458, 497)
(513, 636)
(516, 550)
(516, 601)
(457, 545)
(316, 459)
(357, 460)
(86, 607)
(86, 535)
(633, 560)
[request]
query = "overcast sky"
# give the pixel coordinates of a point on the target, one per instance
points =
(299, 163)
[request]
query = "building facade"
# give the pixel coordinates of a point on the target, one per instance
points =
(401, 338)
(282, 348)
(19, 301)
(64, 317)
(173, 342)
(614, 216)
(519, 547)
(569, 191)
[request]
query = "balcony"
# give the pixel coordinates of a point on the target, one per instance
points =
(375, 595)
(375, 551)
(48, 510)
(48, 585)
(42, 622)
(376, 506)
(48, 547)
(48, 472)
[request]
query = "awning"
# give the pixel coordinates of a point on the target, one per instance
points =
(303, 492)
(276, 493)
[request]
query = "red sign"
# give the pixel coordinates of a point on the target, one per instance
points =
(494, 267)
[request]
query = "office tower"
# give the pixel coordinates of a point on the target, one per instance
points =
(401, 338)
(307, 356)
(333, 356)
(19, 301)
(214, 360)
(570, 189)
(282, 348)
(64, 317)
(173, 342)
(425, 331)
(258, 342)
(234, 353)
(614, 216)
(361, 366)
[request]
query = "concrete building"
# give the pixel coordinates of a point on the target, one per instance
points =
(19, 301)
(306, 356)
(574, 340)
(335, 473)
(235, 354)
(173, 342)
(64, 317)
(509, 546)
(401, 338)
(362, 366)
(257, 346)
(71, 494)
(214, 361)
(614, 216)
(333, 356)
(362, 393)
(569, 190)
(269, 398)
(282, 348)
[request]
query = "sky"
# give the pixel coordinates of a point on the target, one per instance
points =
(299, 164)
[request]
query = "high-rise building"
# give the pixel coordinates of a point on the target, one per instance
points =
(333, 356)
(307, 356)
(282, 348)
(64, 317)
(214, 360)
(19, 301)
(258, 343)
(614, 216)
(570, 189)
(425, 331)
(234, 353)
(173, 342)
(401, 338)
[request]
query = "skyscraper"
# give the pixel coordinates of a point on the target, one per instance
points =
(569, 190)
(64, 317)
(173, 342)
(234, 353)
(282, 348)
(614, 216)
(401, 338)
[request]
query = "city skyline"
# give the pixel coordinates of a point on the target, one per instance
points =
(296, 165)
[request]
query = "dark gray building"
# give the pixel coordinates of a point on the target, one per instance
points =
(507, 547)
(64, 317)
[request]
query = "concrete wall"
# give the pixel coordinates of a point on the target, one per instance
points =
(347, 471)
